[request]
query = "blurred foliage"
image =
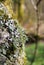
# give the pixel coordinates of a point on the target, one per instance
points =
(32, 38)
(16, 1)
(1, 0)
(39, 60)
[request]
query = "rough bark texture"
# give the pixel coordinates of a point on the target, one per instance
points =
(12, 40)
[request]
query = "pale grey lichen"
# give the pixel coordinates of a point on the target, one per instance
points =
(12, 40)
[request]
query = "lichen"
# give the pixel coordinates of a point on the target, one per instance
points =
(12, 40)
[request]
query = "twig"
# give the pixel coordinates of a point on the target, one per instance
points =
(37, 30)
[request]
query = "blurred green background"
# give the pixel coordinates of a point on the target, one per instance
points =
(39, 59)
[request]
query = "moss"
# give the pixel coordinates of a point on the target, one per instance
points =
(1, 12)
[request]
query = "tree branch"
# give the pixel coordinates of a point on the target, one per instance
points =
(38, 2)
(34, 5)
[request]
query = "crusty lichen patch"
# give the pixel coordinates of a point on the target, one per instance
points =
(12, 40)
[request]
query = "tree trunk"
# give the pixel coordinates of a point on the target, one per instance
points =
(12, 40)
